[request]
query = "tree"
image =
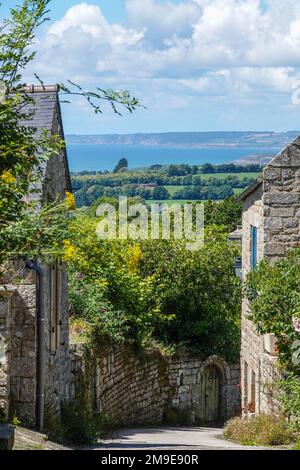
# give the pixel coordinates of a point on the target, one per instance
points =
(274, 294)
(207, 168)
(227, 213)
(23, 230)
(199, 291)
(121, 166)
(160, 193)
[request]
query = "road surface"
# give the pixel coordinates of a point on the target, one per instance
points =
(199, 438)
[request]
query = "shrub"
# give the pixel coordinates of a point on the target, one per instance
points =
(297, 445)
(288, 393)
(263, 430)
(81, 426)
(274, 294)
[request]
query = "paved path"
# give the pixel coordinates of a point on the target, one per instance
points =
(26, 439)
(171, 438)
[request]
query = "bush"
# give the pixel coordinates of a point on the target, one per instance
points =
(81, 426)
(297, 445)
(273, 290)
(288, 393)
(263, 430)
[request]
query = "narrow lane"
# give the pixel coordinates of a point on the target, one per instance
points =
(199, 438)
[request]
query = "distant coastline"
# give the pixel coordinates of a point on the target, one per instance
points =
(193, 140)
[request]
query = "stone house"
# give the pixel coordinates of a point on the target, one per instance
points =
(271, 211)
(34, 302)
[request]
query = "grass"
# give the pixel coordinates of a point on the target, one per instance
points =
(238, 191)
(297, 445)
(222, 176)
(173, 189)
(262, 430)
(171, 201)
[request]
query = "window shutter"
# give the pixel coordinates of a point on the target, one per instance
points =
(58, 305)
(253, 247)
(55, 308)
(53, 311)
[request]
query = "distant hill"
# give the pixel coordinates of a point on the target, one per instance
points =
(191, 139)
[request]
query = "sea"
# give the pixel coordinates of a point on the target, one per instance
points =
(96, 157)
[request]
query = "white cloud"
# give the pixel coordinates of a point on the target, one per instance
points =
(234, 49)
(162, 21)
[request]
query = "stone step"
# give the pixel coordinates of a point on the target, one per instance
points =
(7, 437)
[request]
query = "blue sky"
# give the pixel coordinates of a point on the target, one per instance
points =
(197, 65)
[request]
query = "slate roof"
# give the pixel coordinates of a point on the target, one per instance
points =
(253, 186)
(42, 110)
(43, 113)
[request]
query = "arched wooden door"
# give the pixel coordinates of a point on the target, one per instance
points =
(210, 395)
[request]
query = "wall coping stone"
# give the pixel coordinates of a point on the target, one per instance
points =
(7, 437)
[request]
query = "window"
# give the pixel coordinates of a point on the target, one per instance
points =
(55, 308)
(245, 384)
(253, 247)
(253, 390)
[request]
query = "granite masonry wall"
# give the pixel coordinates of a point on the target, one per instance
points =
(281, 200)
(5, 353)
(20, 313)
(131, 387)
(274, 208)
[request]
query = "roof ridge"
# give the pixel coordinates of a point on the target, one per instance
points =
(42, 89)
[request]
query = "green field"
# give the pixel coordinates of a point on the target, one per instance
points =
(238, 191)
(225, 175)
(173, 189)
(172, 201)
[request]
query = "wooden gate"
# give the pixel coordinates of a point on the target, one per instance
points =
(209, 412)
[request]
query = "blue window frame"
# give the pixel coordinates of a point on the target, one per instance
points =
(253, 247)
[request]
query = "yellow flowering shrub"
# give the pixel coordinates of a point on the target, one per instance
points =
(70, 199)
(69, 252)
(135, 257)
(7, 177)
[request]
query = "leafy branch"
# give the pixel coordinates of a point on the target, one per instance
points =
(115, 98)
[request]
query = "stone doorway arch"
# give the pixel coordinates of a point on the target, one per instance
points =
(210, 392)
(210, 395)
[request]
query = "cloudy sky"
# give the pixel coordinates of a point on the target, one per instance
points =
(197, 65)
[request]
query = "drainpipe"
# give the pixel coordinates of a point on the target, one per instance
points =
(40, 360)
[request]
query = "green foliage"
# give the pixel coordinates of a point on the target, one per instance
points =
(199, 291)
(36, 235)
(106, 288)
(116, 99)
(15, 421)
(274, 294)
(121, 166)
(25, 230)
(262, 430)
(158, 291)
(288, 393)
(227, 213)
(89, 303)
(297, 445)
(158, 184)
(80, 426)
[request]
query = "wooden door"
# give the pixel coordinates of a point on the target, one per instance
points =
(210, 395)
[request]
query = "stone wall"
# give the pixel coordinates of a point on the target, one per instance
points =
(251, 342)
(5, 352)
(22, 317)
(274, 208)
(281, 199)
(131, 387)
